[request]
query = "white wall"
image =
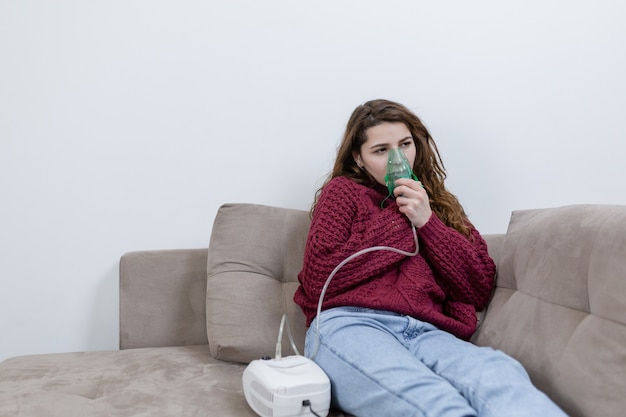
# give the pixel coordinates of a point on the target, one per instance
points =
(124, 125)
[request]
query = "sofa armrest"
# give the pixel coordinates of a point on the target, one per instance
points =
(494, 245)
(162, 298)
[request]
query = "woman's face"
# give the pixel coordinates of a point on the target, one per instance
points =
(374, 152)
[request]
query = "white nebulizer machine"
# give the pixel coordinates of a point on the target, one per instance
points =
(286, 386)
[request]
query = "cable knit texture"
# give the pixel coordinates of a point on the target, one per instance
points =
(445, 283)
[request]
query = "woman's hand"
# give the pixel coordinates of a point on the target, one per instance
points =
(412, 200)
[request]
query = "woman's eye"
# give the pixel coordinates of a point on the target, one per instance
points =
(406, 144)
(380, 150)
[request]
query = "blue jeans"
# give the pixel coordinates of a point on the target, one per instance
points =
(385, 364)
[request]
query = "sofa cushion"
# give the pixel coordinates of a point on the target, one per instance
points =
(560, 304)
(255, 255)
(166, 381)
(162, 298)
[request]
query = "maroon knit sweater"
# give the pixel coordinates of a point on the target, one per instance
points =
(450, 278)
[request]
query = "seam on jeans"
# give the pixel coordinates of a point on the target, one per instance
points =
(343, 359)
(470, 389)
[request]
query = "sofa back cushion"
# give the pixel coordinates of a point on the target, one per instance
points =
(560, 304)
(255, 255)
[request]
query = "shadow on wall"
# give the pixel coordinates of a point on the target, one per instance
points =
(103, 333)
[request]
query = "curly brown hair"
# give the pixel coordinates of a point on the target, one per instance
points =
(428, 165)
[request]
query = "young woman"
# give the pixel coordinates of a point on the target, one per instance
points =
(393, 329)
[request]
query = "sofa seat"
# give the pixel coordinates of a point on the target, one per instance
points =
(180, 381)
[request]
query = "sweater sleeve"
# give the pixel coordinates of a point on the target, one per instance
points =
(347, 219)
(463, 267)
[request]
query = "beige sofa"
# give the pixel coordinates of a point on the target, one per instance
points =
(559, 307)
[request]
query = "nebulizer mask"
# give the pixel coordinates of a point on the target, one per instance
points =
(397, 167)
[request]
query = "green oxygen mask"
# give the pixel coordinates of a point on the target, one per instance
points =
(397, 167)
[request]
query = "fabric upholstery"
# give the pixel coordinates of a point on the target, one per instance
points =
(255, 255)
(162, 298)
(560, 304)
(150, 382)
(559, 307)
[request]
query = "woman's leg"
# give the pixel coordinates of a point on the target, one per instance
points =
(493, 383)
(373, 373)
